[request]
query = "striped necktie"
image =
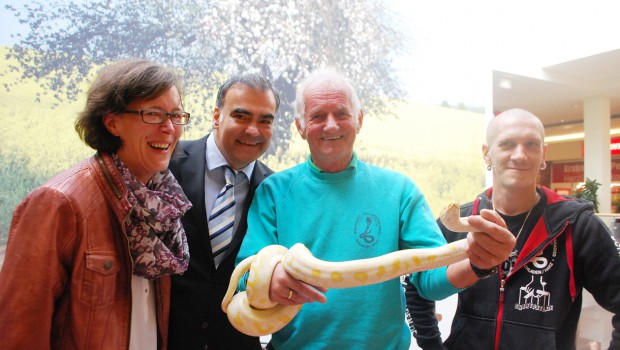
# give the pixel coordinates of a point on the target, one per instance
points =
(222, 218)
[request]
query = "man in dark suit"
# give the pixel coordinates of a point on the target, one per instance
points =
(242, 128)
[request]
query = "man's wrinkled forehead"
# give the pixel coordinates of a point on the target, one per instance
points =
(327, 96)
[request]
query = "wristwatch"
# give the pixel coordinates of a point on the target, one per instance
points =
(482, 274)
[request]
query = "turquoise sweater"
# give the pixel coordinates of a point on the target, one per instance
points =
(362, 212)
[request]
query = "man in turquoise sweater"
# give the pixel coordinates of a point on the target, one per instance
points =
(344, 209)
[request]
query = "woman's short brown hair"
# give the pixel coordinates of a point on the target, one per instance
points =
(116, 86)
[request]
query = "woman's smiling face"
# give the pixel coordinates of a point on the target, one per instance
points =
(147, 148)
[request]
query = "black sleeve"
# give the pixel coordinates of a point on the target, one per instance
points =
(421, 312)
(421, 319)
(597, 266)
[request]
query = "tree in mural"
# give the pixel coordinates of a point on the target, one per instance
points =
(282, 39)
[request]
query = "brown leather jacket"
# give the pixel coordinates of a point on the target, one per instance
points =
(66, 278)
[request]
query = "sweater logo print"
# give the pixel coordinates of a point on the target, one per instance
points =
(535, 295)
(367, 230)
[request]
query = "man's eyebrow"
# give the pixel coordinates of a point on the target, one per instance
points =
(246, 112)
(342, 108)
(240, 111)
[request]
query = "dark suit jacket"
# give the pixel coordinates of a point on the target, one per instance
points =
(196, 316)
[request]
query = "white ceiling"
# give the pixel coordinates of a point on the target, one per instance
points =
(556, 93)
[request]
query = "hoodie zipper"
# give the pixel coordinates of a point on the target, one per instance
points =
(500, 309)
(502, 290)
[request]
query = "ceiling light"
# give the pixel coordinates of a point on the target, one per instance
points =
(567, 137)
(574, 137)
(505, 84)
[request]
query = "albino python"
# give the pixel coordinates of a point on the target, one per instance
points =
(253, 313)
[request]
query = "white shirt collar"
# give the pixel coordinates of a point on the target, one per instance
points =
(215, 159)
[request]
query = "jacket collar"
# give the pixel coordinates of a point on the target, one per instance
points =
(559, 212)
(111, 183)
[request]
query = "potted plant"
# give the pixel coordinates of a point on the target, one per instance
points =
(588, 192)
(615, 203)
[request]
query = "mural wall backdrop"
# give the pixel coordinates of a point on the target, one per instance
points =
(45, 73)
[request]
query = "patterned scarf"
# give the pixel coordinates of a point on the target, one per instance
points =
(157, 241)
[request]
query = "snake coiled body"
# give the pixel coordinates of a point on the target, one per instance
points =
(253, 313)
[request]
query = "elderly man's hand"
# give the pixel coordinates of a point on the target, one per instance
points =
(287, 290)
(492, 243)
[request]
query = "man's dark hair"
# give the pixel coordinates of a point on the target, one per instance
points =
(254, 81)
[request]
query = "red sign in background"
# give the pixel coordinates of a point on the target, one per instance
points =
(567, 172)
(615, 145)
(573, 172)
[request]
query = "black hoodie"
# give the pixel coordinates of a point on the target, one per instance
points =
(563, 249)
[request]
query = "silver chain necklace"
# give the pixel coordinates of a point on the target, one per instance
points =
(514, 251)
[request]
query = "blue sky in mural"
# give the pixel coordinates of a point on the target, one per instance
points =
(8, 23)
(454, 43)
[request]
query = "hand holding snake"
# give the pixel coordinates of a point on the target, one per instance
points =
(255, 313)
(287, 290)
(490, 242)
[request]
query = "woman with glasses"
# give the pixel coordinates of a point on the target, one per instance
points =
(90, 251)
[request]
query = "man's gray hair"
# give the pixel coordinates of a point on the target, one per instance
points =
(325, 74)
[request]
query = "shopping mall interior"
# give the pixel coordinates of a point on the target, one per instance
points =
(578, 101)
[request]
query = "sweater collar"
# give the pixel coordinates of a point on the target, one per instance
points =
(333, 177)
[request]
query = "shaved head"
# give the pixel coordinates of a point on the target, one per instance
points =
(512, 115)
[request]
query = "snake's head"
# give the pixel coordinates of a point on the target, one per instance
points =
(451, 218)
